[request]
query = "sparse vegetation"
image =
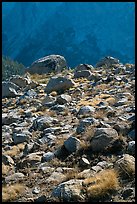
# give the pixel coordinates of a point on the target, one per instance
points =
(102, 183)
(11, 67)
(12, 192)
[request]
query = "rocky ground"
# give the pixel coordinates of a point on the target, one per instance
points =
(69, 135)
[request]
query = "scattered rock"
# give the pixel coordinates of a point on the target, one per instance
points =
(48, 156)
(103, 138)
(9, 89)
(59, 84)
(68, 191)
(20, 138)
(107, 61)
(85, 111)
(41, 123)
(126, 165)
(14, 178)
(63, 99)
(131, 148)
(72, 144)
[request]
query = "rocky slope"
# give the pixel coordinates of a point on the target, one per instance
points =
(85, 31)
(69, 135)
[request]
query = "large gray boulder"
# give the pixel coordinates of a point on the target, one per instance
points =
(107, 61)
(72, 144)
(83, 70)
(69, 190)
(43, 122)
(9, 89)
(85, 111)
(103, 139)
(48, 64)
(20, 81)
(59, 84)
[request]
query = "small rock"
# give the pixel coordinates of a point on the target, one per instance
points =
(131, 148)
(48, 156)
(72, 144)
(9, 89)
(63, 99)
(131, 134)
(20, 138)
(41, 123)
(85, 111)
(14, 178)
(7, 160)
(36, 190)
(126, 165)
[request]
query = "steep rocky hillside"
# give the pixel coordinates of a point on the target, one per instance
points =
(86, 31)
(69, 135)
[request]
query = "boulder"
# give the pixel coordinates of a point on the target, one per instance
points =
(19, 81)
(83, 73)
(20, 138)
(48, 156)
(63, 99)
(131, 147)
(83, 70)
(9, 89)
(41, 123)
(108, 61)
(83, 67)
(85, 123)
(14, 177)
(103, 139)
(126, 165)
(85, 111)
(59, 84)
(51, 63)
(69, 191)
(72, 144)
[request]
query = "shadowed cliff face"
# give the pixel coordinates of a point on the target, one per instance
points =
(82, 32)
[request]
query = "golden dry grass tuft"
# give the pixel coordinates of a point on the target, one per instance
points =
(10, 193)
(43, 79)
(102, 183)
(53, 93)
(12, 152)
(111, 100)
(5, 169)
(100, 114)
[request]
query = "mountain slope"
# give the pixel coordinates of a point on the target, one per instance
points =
(82, 32)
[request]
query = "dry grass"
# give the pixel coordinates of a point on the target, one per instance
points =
(15, 150)
(100, 114)
(21, 111)
(57, 163)
(88, 102)
(111, 100)
(72, 175)
(10, 193)
(103, 87)
(43, 79)
(53, 93)
(5, 169)
(102, 183)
